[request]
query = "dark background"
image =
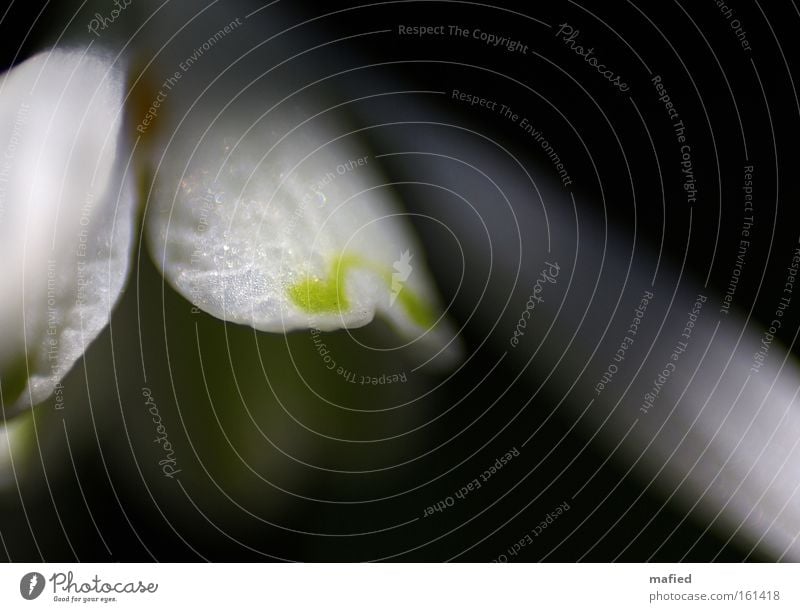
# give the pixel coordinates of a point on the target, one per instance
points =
(127, 521)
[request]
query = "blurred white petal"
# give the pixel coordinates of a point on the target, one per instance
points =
(721, 440)
(65, 220)
(286, 230)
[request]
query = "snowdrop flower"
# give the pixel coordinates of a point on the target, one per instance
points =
(282, 226)
(273, 224)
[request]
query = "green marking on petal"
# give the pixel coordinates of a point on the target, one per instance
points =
(320, 296)
(316, 295)
(417, 310)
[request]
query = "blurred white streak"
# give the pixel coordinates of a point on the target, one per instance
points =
(720, 441)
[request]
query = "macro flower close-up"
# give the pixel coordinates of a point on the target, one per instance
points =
(264, 238)
(413, 281)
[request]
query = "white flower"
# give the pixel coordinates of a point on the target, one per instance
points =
(66, 217)
(282, 228)
(274, 223)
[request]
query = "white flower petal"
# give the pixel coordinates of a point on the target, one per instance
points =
(65, 220)
(284, 229)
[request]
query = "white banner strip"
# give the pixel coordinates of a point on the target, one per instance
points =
(400, 587)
